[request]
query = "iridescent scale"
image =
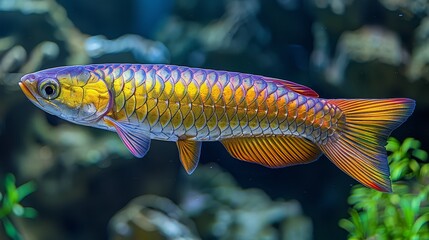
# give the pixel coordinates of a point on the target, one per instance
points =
(267, 121)
(189, 103)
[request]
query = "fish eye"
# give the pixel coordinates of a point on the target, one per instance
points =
(49, 89)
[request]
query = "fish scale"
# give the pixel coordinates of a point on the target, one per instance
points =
(258, 119)
(208, 105)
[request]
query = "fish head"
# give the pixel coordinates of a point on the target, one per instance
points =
(72, 93)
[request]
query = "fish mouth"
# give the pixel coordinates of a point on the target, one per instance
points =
(27, 92)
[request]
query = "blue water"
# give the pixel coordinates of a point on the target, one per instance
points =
(84, 176)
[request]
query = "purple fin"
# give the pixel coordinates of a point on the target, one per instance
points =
(138, 142)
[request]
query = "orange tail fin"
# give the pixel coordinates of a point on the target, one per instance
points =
(360, 149)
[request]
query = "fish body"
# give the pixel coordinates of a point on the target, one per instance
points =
(205, 105)
(268, 121)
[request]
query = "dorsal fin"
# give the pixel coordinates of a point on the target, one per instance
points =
(298, 88)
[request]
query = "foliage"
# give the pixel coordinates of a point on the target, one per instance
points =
(11, 207)
(403, 214)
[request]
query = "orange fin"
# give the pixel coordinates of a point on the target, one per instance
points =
(274, 152)
(298, 88)
(360, 148)
(189, 152)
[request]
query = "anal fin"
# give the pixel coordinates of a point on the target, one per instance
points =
(274, 151)
(189, 152)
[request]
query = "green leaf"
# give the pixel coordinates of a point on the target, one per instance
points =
(18, 210)
(25, 190)
(390, 217)
(396, 156)
(29, 212)
(407, 211)
(415, 204)
(400, 188)
(410, 143)
(422, 220)
(420, 154)
(358, 221)
(414, 167)
(11, 191)
(424, 170)
(10, 229)
(392, 144)
(11, 205)
(347, 225)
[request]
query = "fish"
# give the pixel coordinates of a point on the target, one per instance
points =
(264, 120)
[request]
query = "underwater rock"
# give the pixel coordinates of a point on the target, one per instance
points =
(66, 39)
(6, 43)
(219, 208)
(228, 32)
(366, 44)
(55, 16)
(418, 66)
(51, 19)
(418, 7)
(44, 51)
(63, 146)
(320, 57)
(233, 31)
(336, 6)
(151, 217)
(15, 60)
(297, 228)
(143, 50)
(422, 32)
(13, 57)
(371, 43)
(222, 210)
(375, 49)
(56, 157)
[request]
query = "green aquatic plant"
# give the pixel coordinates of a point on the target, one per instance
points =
(403, 214)
(11, 206)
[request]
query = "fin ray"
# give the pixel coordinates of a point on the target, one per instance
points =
(359, 150)
(189, 152)
(273, 151)
(138, 142)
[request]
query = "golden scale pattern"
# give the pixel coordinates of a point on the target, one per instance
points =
(207, 105)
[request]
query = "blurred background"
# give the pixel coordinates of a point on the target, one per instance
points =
(84, 184)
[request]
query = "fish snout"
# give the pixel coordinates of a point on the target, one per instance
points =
(28, 85)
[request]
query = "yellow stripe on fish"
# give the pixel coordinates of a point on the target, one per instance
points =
(258, 119)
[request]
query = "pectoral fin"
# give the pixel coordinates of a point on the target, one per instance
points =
(189, 152)
(137, 141)
(274, 152)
